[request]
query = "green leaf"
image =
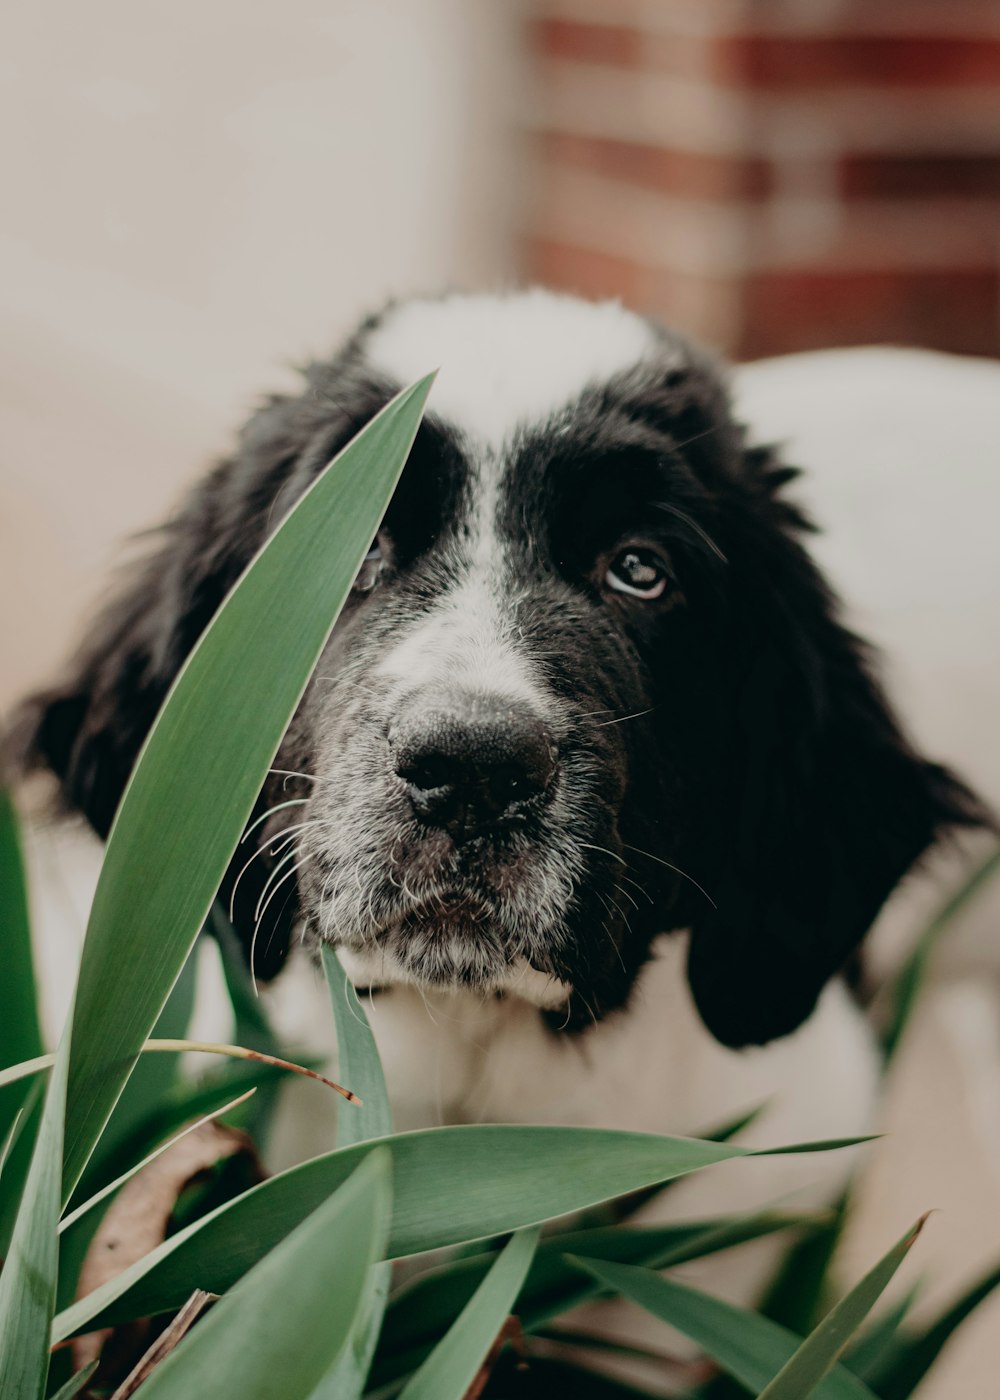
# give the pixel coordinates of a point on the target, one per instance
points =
(750, 1348)
(251, 1026)
(285, 1323)
(906, 1364)
(910, 978)
(75, 1383)
(154, 1077)
(867, 1355)
(420, 1312)
(452, 1365)
(20, 1034)
(803, 1372)
(798, 1295)
(28, 1277)
(499, 1178)
(357, 1061)
(15, 1160)
(206, 758)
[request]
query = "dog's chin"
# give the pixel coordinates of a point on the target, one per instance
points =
(451, 954)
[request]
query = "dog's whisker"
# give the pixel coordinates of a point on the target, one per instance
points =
(293, 773)
(287, 876)
(675, 868)
(279, 807)
(621, 720)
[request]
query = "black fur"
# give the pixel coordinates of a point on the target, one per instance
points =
(762, 796)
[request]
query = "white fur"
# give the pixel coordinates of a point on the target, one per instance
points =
(504, 361)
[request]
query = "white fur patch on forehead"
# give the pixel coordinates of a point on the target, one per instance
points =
(507, 360)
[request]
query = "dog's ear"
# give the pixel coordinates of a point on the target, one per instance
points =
(88, 731)
(827, 805)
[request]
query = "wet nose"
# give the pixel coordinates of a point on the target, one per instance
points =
(473, 765)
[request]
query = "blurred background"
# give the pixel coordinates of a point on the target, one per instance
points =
(199, 196)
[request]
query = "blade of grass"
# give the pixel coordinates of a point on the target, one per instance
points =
(802, 1373)
(911, 976)
(499, 1178)
(284, 1324)
(201, 1047)
(154, 1077)
(75, 1383)
(357, 1060)
(205, 761)
(906, 1364)
(28, 1277)
(750, 1348)
(82, 1209)
(251, 1026)
(452, 1365)
(20, 1033)
(425, 1308)
(866, 1356)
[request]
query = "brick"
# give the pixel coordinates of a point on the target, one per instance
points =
(944, 309)
(786, 62)
(673, 171)
(953, 175)
(909, 60)
(578, 42)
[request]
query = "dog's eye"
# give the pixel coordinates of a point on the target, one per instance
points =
(371, 569)
(639, 572)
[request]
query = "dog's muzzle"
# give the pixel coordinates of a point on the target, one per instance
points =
(473, 764)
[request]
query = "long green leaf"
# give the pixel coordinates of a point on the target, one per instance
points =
(75, 1383)
(20, 1034)
(750, 1348)
(452, 1184)
(28, 1277)
(419, 1313)
(803, 1372)
(206, 758)
(285, 1323)
(910, 978)
(452, 1365)
(498, 1179)
(357, 1060)
(905, 1364)
(868, 1353)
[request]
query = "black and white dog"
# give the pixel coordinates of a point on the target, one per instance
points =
(589, 690)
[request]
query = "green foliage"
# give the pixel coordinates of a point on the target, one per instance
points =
(301, 1261)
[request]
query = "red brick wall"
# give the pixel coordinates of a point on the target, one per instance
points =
(773, 174)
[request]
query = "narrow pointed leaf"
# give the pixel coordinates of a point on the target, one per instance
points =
(804, 1371)
(868, 1353)
(499, 1178)
(427, 1307)
(75, 1383)
(357, 1060)
(452, 1365)
(206, 759)
(752, 1349)
(284, 1324)
(20, 1034)
(905, 1365)
(910, 979)
(28, 1277)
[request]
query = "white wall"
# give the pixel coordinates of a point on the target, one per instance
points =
(196, 195)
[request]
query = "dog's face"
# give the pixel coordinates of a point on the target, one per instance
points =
(588, 686)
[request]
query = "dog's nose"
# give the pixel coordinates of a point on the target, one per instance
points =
(468, 767)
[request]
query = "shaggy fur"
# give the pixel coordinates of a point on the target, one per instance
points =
(589, 687)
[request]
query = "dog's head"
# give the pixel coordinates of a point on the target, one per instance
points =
(588, 687)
